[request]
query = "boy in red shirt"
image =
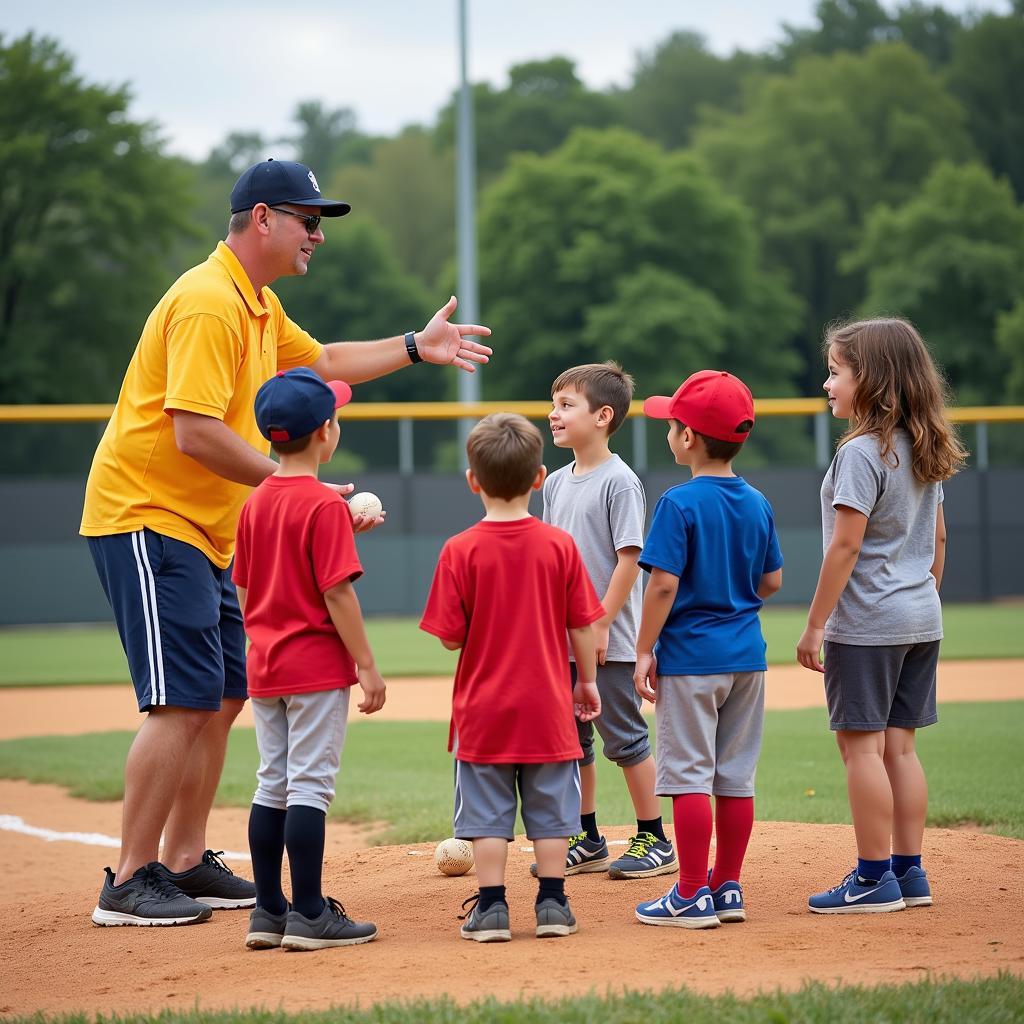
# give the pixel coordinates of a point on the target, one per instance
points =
(295, 563)
(505, 591)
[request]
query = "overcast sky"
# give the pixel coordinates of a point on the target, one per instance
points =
(202, 68)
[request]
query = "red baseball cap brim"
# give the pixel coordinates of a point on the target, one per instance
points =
(342, 392)
(658, 407)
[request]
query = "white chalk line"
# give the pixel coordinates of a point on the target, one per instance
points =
(12, 823)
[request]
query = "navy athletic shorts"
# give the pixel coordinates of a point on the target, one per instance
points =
(178, 617)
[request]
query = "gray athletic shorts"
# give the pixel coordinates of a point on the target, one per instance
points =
(621, 724)
(709, 733)
(300, 737)
(485, 799)
(869, 689)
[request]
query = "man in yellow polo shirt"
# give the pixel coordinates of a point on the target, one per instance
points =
(176, 461)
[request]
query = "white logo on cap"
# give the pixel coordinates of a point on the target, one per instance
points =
(312, 178)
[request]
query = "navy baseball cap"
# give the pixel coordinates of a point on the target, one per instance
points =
(294, 403)
(281, 181)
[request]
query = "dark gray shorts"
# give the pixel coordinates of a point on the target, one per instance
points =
(485, 799)
(869, 689)
(621, 723)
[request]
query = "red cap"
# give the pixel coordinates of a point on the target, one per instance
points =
(712, 402)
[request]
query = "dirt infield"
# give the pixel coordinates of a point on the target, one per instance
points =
(30, 710)
(54, 960)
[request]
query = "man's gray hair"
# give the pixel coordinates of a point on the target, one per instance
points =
(239, 222)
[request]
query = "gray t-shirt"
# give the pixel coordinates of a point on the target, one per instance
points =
(604, 511)
(891, 597)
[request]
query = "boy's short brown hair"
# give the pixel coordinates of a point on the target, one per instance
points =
(293, 447)
(505, 452)
(601, 384)
(720, 451)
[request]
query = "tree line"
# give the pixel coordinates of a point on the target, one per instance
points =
(715, 211)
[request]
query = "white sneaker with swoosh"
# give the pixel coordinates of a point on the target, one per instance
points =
(675, 912)
(856, 895)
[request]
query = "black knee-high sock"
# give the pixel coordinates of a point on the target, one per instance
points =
(266, 846)
(304, 830)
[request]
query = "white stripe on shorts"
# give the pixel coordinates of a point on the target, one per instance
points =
(458, 796)
(147, 586)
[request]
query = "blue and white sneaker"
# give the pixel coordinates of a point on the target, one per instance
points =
(915, 888)
(647, 856)
(728, 900)
(674, 912)
(584, 855)
(852, 896)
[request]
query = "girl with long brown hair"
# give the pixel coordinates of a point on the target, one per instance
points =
(876, 608)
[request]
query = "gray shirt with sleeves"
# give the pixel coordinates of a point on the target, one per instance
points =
(604, 511)
(891, 597)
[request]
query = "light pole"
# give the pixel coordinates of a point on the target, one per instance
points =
(465, 224)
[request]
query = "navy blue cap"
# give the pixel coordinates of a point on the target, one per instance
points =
(294, 403)
(281, 181)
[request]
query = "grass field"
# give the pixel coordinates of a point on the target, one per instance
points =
(92, 654)
(996, 1000)
(400, 772)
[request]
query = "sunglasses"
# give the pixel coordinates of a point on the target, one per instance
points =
(311, 222)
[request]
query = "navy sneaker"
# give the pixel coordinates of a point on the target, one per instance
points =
(728, 900)
(915, 888)
(584, 855)
(856, 895)
(675, 912)
(489, 926)
(647, 856)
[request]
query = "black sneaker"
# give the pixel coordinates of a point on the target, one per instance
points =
(147, 898)
(332, 928)
(266, 929)
(213, 882)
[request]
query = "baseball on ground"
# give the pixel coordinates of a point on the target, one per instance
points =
(453, 856)
(365, 503)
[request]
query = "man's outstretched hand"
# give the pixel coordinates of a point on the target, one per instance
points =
(446, 343)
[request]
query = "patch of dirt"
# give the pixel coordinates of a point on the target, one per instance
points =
(56, 961)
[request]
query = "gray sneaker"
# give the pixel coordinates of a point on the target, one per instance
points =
(489, 926)
(554, 918)
(266, 929)
(332, 928)
(647, 856)
(146, 899)
(214, 883)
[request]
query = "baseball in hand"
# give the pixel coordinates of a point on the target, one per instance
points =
(365, 503)
(453, 856)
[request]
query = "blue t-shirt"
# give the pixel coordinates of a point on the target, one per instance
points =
(717, 534)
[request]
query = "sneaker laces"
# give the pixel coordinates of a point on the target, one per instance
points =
(576, 840)
(157, 882)
(337, 909)
(474, 900)
(215, 861)
(852, 876)
(640, 845)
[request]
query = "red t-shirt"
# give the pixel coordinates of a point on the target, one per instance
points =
(507, 592)
(294, 542)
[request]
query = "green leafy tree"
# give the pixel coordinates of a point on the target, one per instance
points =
(88, 207)
(355, 289)
(609, 247)
(812, 153)
(1010, 340)
(408, 189)
(952, 259)
(543, 102)
(327, 139)
(987, 75)
(675, 80)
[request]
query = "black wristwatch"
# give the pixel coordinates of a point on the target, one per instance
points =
(410, 347)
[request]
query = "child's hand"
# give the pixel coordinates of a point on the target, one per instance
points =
(808, 650)
(586, 701)
(601, 629)
(645, 677)
(374, 690)
(360, 524)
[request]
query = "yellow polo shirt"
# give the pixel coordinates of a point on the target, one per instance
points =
(206, 348)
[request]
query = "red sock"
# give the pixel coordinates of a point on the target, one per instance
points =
(691, 820)
(734, 821)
